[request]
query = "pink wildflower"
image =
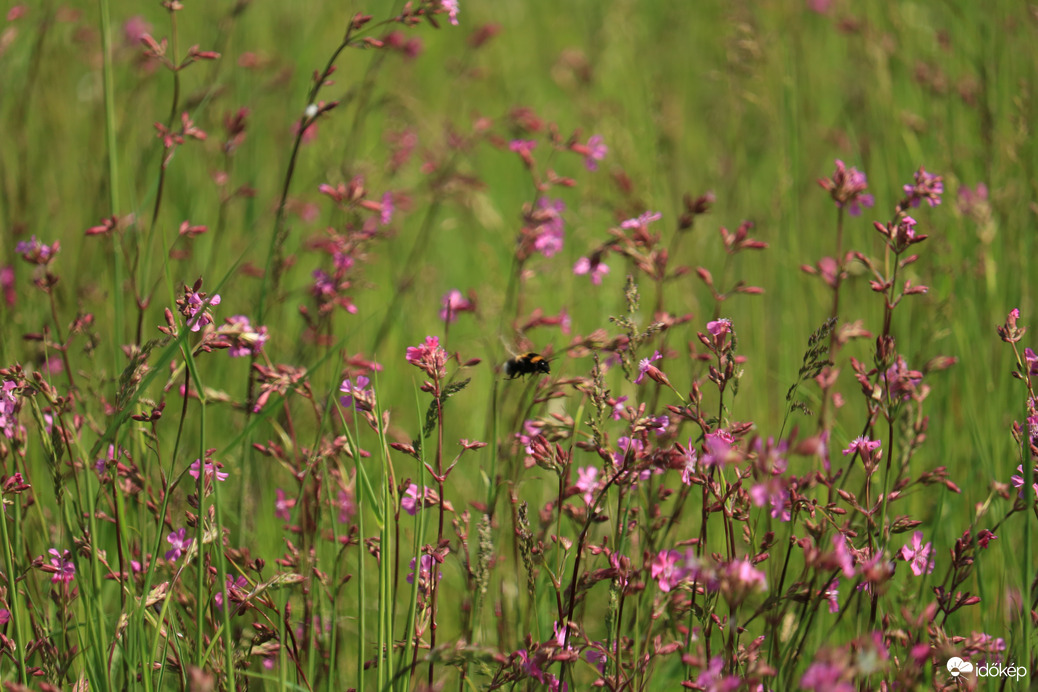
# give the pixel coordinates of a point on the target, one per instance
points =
(586, 482)
(862, 445)
(920, 557)
(211, 469)
(594, 151)
(453, 303)
(180, 542)
(347, 506)
(642, 221)
(926, 186)
(847, 188)
(429, 357)
(410, 502)
(283, 505)
(644, 364)
(65, 570)
(593, 266)
(665, 569)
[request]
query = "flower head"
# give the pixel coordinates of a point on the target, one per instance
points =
(665, 569)
(926, 186)
(64, 569)
(985, 537)
(593, 266)
(587, 482)
(429, 357)
(283, 505)
(659, 424)
(642, 221)
(453, 303)
(905, 230)
(244, 340)
(719, 328)
(425, 572)
(973, 202)
(689, 458)
(211, 469)
(524, 147)
(7, 285)
(1018, 481)
(1031, 359)
(843, 556)
(920, 557)
(324, 285)
(357, 393)
(134, 29)
(863, 446)
(35, 252)
(347, 506)
(410, 501)
(847, 188)
(180, 542)
(451, 8)
(644, 364)
(718, 448)
(1010, 332)
(630, 450)
(775, 493)
(548, 226)
(832, 594)
(901, 381)
(234, 589)
(900, 235)
(719, 340)
(739, 578)
(713, 679)
(9, 408)
(594, 151)
(195, 305)
(827, 677)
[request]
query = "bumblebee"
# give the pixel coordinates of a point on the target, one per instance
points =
(526, 364)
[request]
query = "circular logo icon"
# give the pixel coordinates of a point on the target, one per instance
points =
(956, 666)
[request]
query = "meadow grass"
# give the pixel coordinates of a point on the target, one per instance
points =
(263, 263)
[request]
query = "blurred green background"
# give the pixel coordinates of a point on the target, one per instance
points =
(750, 100)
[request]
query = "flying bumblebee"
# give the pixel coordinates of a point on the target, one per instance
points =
(526, 364)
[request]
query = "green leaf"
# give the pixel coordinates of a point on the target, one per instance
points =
(430, 414)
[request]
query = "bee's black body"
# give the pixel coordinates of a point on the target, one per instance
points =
(526, 364)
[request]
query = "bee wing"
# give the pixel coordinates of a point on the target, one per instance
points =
(512, 353)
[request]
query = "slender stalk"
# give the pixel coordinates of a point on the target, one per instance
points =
(112, 158)
(18, 614)
(824, 422)
(435, 571)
